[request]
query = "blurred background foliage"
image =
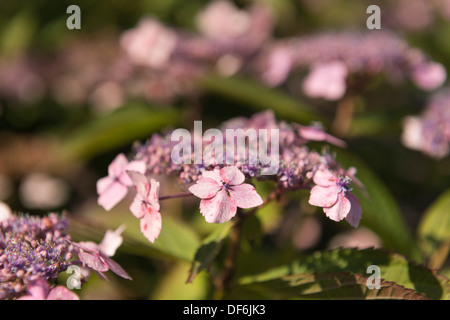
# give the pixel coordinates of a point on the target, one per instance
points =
(52, 153)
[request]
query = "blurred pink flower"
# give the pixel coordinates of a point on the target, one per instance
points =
(40, 290)
(145, 205)
(113, 188)
(221, 20)
(429, 76)
(222, 191)
(333, 194)
(326, 80)
(149, 44)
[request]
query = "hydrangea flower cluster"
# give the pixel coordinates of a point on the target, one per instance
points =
(32, 248)
(35, 250)
(331, 57)
(223, 187)
(430, 131)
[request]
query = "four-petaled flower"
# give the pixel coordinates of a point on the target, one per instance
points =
(222, 191)
(145, 205)
(333, 194)
(113, 188)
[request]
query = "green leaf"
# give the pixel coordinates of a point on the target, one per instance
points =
(434, 228)
(392, 266)
(331, 286)
(380, 211)
(172, 285)
(117, 129)
(259, 97)
(208, 250)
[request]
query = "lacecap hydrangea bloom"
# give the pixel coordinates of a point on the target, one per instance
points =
(224, 186)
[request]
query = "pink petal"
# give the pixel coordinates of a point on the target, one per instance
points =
(317, 134)
(111, 241)
(232, 175)
(205, 188)
(140, 182)
(103, 184)
(116, 268)
(138, 207)
(339, 210)
(213, 174)
(324, 178)
(88, 246)
(323, 196)
(151, 225)
(153, 197)
(117, 166)
(355, 214)
(138, 166)
(110, 195)
(245, 196)
(62, 293)
(219, 209)
(93, 261)
(37, 291)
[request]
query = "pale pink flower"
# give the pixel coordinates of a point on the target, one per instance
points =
(222, 191)
(429, 76)
(149, 44)
(145, 205)
(97, 256)
(221, 20)
(333, 194)
(40, 290)
(326, 80)
(113, 188)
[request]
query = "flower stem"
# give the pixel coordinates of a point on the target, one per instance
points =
(225, 282)
(178, 195)
(344, 115)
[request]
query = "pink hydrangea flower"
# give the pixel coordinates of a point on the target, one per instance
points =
(221, 20)
(97, 256)
(113, 188)
(222, 191)
(326, 80)
(145, 205)
(149, 44)
(40, 290)
(333, 195)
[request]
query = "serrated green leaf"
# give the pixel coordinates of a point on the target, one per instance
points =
(208, 250)
(393, 267)
(380, 211)
(330, 285)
